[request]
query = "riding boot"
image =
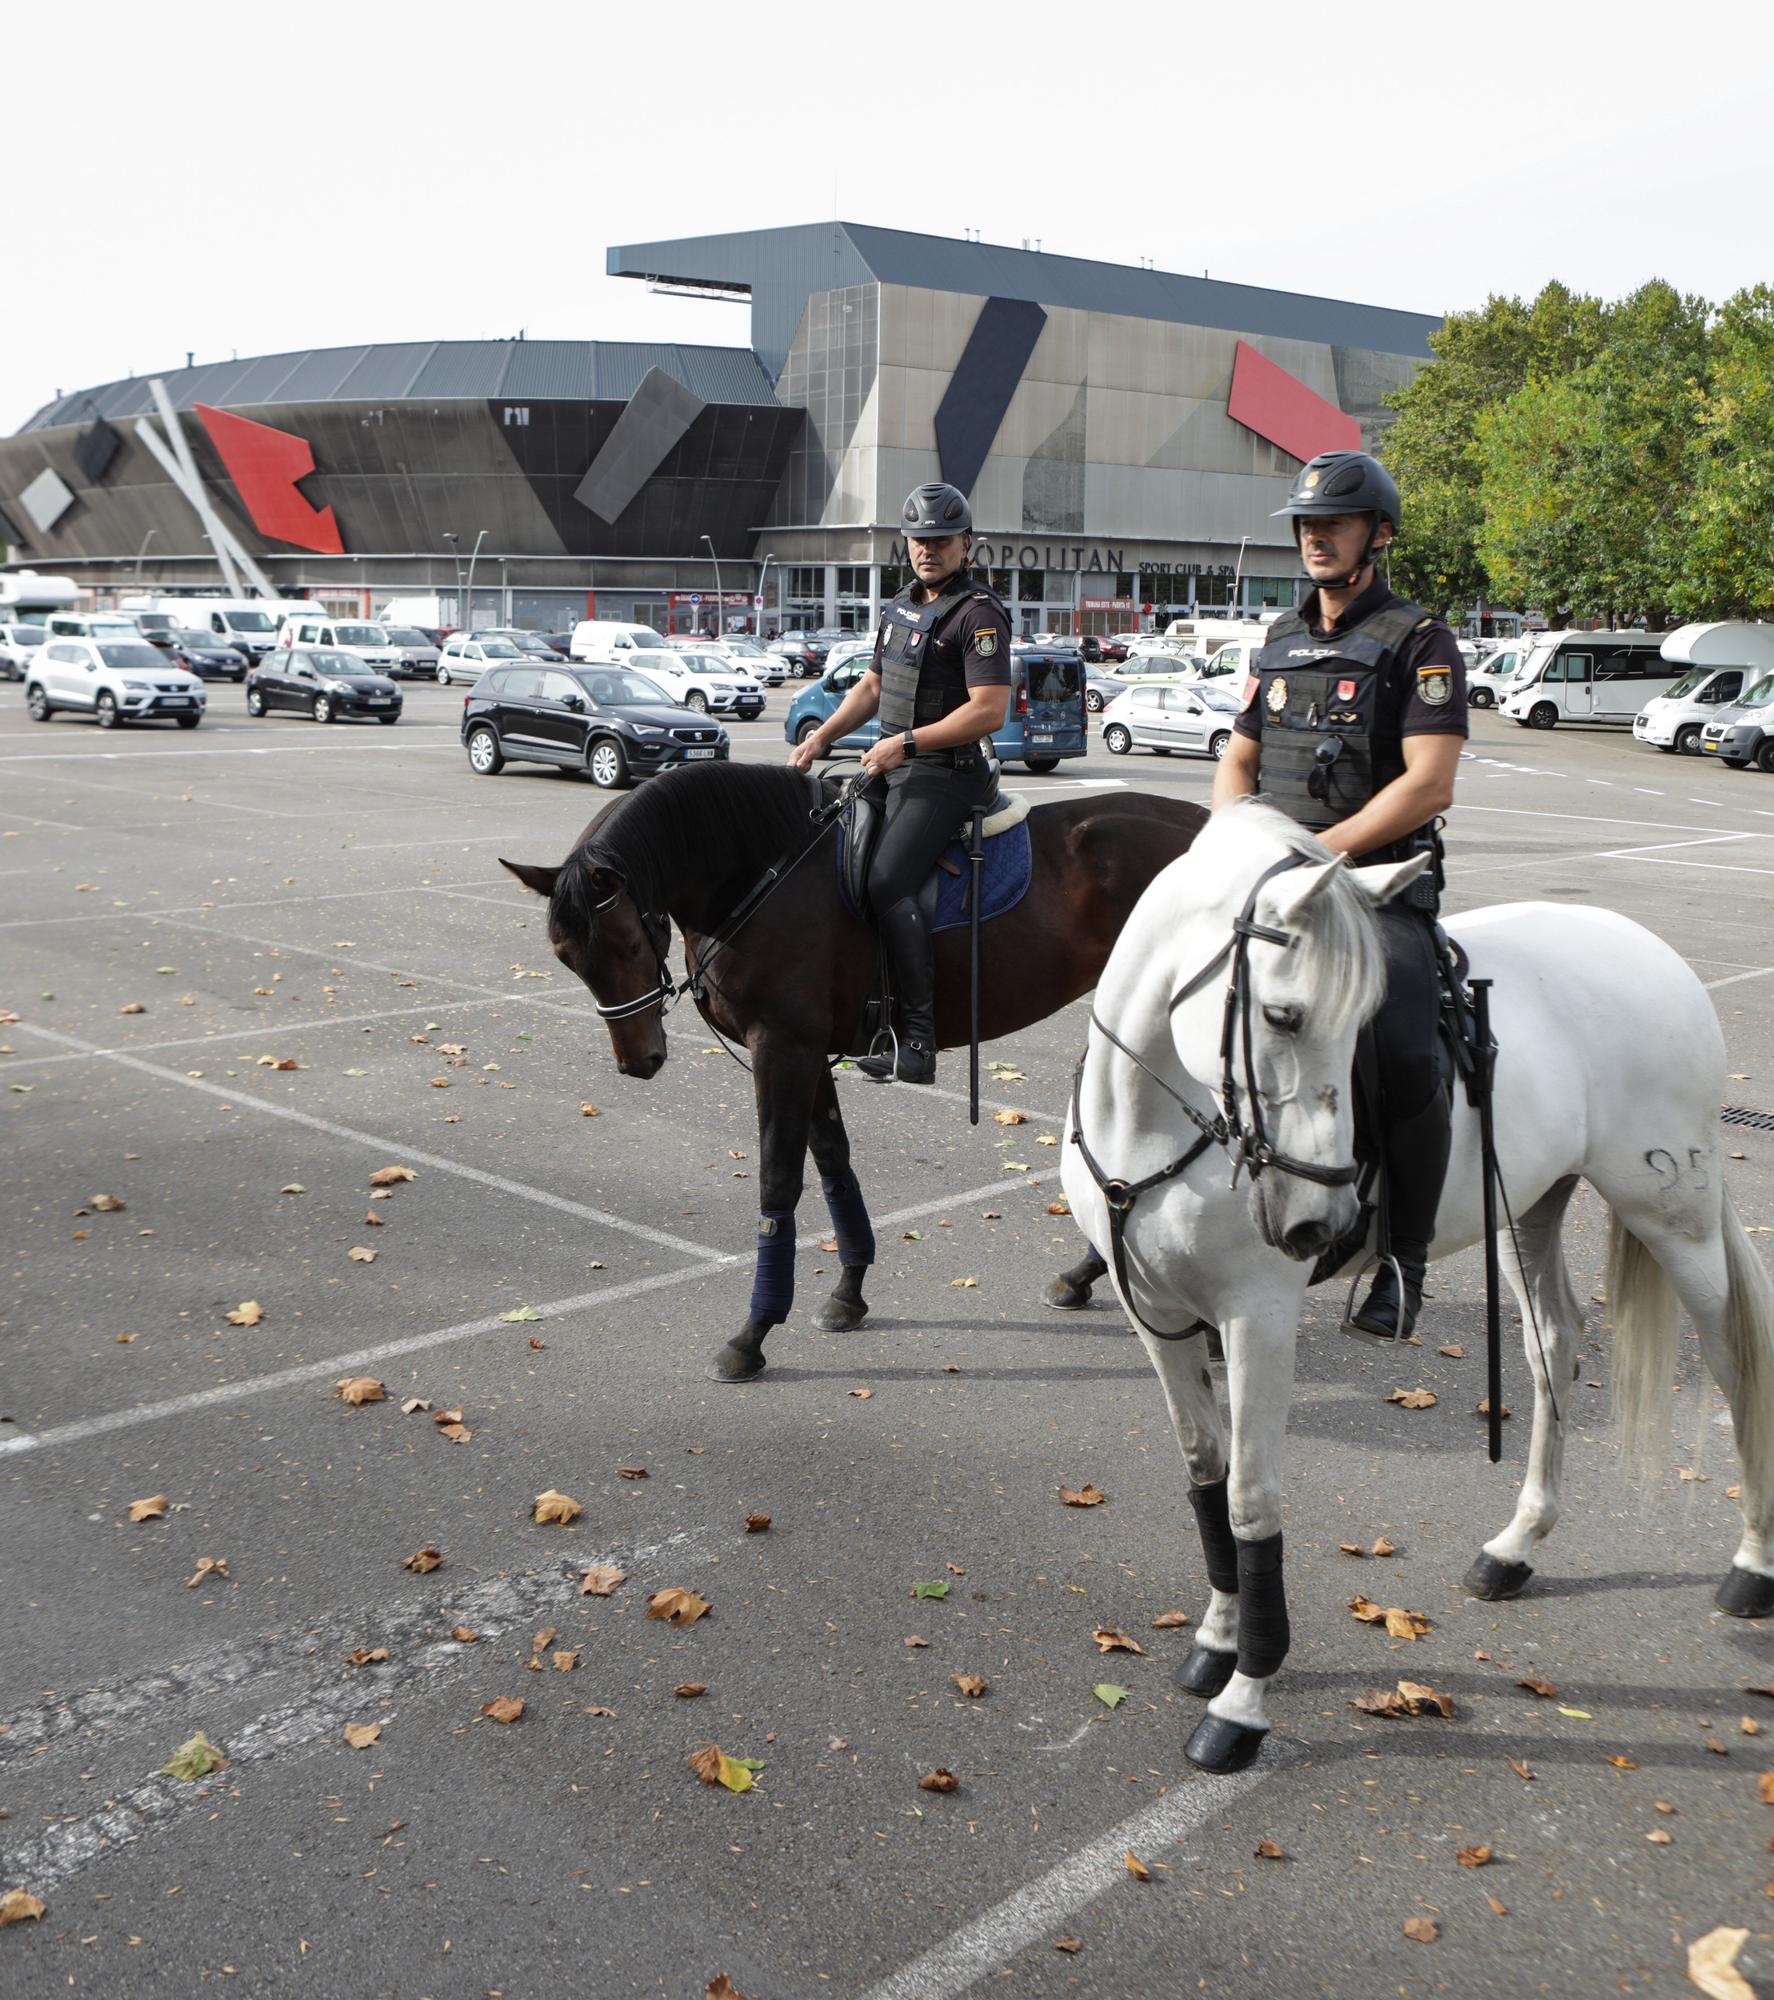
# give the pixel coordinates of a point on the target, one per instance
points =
(906, 934)
(1416, 1167)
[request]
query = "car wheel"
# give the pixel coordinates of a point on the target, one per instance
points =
(238, 675)
(1040, 765)
(323, 709)
(1687, 741)
(1216, 747)
(387, 721)
(187, 721)
(37, 704)
(697, 701)
(1542, 716)
(1478, 698)
(806, 729)
(1117, 739)
(1093, 701)
(255, 702)
(484, 757)
(1765, 755)
(443, 677)
(606, 765)
(107, 711)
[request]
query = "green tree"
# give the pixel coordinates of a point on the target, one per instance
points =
(1728, 518)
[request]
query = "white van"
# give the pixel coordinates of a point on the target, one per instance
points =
(1587, 677)
(1721, 661)
(604, 640)
(111, 626)
(343, 635)
(246, 623)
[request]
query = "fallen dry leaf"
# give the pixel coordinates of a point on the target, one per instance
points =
(360, 1735)
(971, 1685)
(1621, 1763)
(1136, 1867)
(1423, 1929)
(677, 1607)
(357, 1389)
(502, 1710)
(1082, 1496)
(1749, 1726)
(595, 1710)
(1109, 1639)
(413, 1403)
(1168, 1621)
(1712, 1964)
(1382, 1547)
(939, 1780)
(537, 1346)
(132, 1007)
(278, 1062)
(392, 1176)
(1520, 1769)
(1010, 1117)
(1404, 1624)
(757, 1524)
(1498, 1909)
(555, 1507)
(634, 1472)
(564, 1659)
(423, 1561)
(714, 1767)
(106, 1204)
(721, 1987)
(1059, 1208)
(248, 1313)
(359, 1255)
(914, 1640)
(690, 1690)
(862, 1395)
(208, 1566)
(1423, 1698)
(1414, 1399)
(372, 1221)
(195, 1758)
(964, 1284)
(542, 1640)
(1544, 1689)
(442, 1417)
(1067, 1943)
(464, 1635)
(1351, 1549)
(1268, 1850)
(19, 1906)
(1765, 1786)
(150, 1509)
(601, 1580)
(456, 1433)
(1483, 1409)
(1473, 1857)
(1659, 1837)
(588, 1111)
(1454, 1351)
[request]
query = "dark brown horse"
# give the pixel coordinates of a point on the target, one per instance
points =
(791, 980)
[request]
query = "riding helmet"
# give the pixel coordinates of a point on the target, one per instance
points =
(935, 511)
(1343, 482)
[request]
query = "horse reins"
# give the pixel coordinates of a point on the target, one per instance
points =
(1243, 1135)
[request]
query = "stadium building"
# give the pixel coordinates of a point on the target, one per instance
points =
(1124, 435)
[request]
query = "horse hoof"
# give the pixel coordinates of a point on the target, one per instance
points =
(1219, 1745)
(1066, 1297)
(1493, 1580)
(838, 1315)
(736, 1364)
(1205, 1672)
(1746, 1593)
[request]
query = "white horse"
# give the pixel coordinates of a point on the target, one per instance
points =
(1610, 1069)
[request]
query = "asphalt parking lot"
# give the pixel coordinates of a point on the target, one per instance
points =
(253, 965)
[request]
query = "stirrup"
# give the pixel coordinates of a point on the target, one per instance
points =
(1396, 1336)
(877, 1054)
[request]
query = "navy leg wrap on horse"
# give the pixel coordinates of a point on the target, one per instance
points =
(1262, 1608)
(850, 1218)
(1218, 1544)
(773, 1285)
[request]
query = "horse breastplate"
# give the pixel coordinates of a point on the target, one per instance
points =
(909, 695)
(1321, 702)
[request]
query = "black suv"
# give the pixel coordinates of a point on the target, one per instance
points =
(1742, 732)
(609, 722)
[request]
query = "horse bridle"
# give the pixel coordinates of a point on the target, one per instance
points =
(1242, 1134)
(665, 988)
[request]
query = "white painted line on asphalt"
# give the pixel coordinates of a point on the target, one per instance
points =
(334, 746)
(1036, 1913)
(1649, 791)
(60, 825)
(1761, 972)
(399, 1149)
(1715, 867)
(153, 911)
(1656, 846)
(1590, 819)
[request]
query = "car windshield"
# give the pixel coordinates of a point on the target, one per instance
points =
(1217, 695)
(744, 646)
(656, 660)
(207, 639)
(612, 687)
(361, 635)
(153, 621)
(335, 663)
(248, 621)
(26, 635)
(406, 635)
(1760, 695)
(1688, 682)
(1054, 680)
(500, 649)
(141, 654)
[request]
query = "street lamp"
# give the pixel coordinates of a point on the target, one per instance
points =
(720, 608)
(468, 622)
(455, 542)
(143, 550)
(1238, 574)
(763, 578)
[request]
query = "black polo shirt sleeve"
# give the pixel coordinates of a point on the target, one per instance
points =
(1432, 684)
(981, 630)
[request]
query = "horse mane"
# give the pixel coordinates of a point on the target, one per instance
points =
(1340, 949)
(716, 826)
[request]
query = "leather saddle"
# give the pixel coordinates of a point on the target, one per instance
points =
(862, 830)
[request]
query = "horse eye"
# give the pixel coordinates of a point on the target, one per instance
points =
(1284, 1020)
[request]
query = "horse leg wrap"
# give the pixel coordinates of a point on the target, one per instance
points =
(850, 1218)
(1219, 1545)
(773, 1283)
(1262, 1608)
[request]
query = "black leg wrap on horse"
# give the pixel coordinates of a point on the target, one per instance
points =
(1746, 1593)
(850, 1218)
(1219, 1546)
(1263, 1634)
(773, 1282)
(1493, 1580)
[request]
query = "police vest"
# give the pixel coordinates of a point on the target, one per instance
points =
(910, 695)
(1323, 756)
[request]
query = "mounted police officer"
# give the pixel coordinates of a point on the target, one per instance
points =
(1353, 722)
(940, 681)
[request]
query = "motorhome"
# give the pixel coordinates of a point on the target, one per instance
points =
(1721, 661)
(1587, 677)
(26, 597)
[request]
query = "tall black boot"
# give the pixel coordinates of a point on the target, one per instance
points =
(906, 934)
(1416, 1167)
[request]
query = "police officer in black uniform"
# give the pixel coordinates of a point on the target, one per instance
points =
(940, 681)
(1352, 724)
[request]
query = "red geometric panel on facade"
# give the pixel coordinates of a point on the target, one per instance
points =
(1279, 406)
(265, 465)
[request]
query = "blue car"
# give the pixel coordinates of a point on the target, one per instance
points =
(1045, 722)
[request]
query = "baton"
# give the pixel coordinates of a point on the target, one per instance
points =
(977, 855)
(1487, 1144)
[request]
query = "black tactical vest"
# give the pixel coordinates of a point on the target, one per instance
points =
(908, 696)
(1319, 700)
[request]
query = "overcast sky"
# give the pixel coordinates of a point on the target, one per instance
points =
(231, 178)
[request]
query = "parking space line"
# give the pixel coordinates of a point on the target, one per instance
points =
(1716, 867)
(1591, 819)
(334, 747)
(400, 1148)
(155, 913)
(1760, 972)
(1656, 846)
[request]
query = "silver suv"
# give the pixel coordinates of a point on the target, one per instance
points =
(113, 680)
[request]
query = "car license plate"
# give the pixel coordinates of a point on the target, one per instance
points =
(175, 701)
(1041, 736)
(380, 700)
(699, 753)
(1711, 749)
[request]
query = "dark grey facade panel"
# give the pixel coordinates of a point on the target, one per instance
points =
(657, 415)
(385, 371)
(982, 385)
(566, 369)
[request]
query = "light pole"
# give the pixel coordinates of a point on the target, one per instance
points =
(468, 624)
(763, 578)
(143, 550)
(455, 542)
(719, 606)
(1238, 574)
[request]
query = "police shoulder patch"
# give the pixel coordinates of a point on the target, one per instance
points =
(985, 641)
(1435, 685)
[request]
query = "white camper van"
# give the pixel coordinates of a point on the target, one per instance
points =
(1587, 677)
(1721, 661)
(247, 623)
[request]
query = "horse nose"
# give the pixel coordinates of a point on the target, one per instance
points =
(1306, 1239)
(648, 1066)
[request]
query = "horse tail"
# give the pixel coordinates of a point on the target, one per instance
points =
(1646, 1319)
(1749, 1338)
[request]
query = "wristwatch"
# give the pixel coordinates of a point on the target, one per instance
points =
(911, 744)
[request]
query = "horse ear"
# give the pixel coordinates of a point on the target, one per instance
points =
(1382, 882)
(542, 880)
(1290, 893)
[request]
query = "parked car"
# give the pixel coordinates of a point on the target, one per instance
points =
(1045, 721)
(1185, 715)
(203, 654)
(562, 642)
(322, 683)
(157, 627)
(1486, 681)
(742, 652)
(711, 686)
(415, 651)
(1673, 721)
(610, 722)
(366, 642)
(1744, 732)
(804, 654)
(113, 680)
(465, 659)
(531, 644)
(17, 644)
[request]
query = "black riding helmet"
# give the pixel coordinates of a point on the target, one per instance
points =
(935, 511)
(1344, 482)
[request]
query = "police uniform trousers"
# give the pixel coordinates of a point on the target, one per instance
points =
(929, 799)
(1414, 1075)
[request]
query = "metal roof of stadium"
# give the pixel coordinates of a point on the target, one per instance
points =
(593, 371)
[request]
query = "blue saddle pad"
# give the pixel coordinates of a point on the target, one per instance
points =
(1004, 876)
